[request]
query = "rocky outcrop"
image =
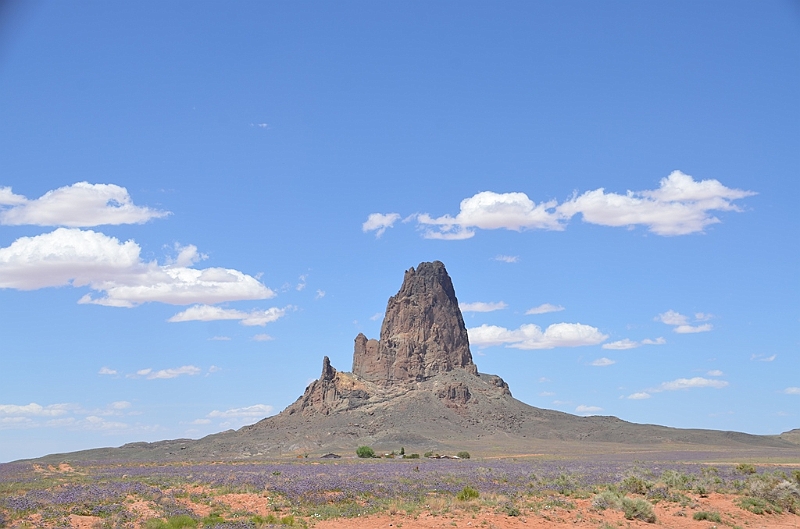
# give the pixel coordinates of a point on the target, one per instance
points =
(332, 392)
(423, 333)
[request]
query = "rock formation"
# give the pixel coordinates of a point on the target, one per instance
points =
(423, 333)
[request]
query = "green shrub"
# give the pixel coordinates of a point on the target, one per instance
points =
(402, 451)
(412, 456)
(467, 493)
(757, 506)
(745, 468)
(463, 455)
(260, 520)
(213, 518)
(638, 509)
(676, 480)
(175, 522)
(607, 500)
(635, 485)
(705, 515)
(796, 476)
(365, 452)
(428, 454)
(287, 520)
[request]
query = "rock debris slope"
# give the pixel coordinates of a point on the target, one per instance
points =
(417, 387)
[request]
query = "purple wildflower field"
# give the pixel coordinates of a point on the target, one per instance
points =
(309, 490)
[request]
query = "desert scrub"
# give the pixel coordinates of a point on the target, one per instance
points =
(607, 499)
(175, 522)
(467, 493)
(635, 485)
(463, 454)
(705, 515)
(638, 509)
(745, 468)
(757, 506)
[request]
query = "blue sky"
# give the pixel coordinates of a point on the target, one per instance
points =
(200, 200)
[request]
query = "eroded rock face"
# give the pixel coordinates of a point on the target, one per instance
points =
(423, 332)
(333, 391)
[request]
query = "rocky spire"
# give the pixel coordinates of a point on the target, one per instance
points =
(423, 332)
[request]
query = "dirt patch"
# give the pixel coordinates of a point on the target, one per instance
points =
(83, 522)
(668, 515)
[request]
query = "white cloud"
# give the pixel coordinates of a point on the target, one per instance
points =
(480, 306)
(546, 394)
(715, 373)
(262, 338)
(792, 391)
(490, 211)
(681, 322)
(104, 264)
(603, 362)
(544, 308)
(257, 411)
(762, 358)
(107, 371)
(169, 373)
(689, 383)
(690, 329)
(376, 316)
(507, 258)
(379, 222)
(320, 294)
(79, 205)
(220, 339)
(588, 409)
(34, 410)
(302, 284)
(639, 396)
(679, 206)
(672, 318)
(530, 336)
(622, 345)
(255, 317)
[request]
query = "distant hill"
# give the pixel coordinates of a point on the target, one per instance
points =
(417, 387)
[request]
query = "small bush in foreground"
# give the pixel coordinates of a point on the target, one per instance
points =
(467, 493)
(365, 452)
(705, 515)
(463, 455)
(607, 500)
(757, 506)
(745, 468)
(175, 522)
(638, 509)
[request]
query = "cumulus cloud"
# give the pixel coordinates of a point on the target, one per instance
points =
(530, 336)
(34, 410)
(603, 362)
(211, 313)
(639, 396)
(379, 222)
(680, 206)
(262, 338)
(689, 383)
(544, 308)
(169, 373)
(507, 258)
(792, 391)
(681, 323)
(114, 269)
(77, 206)
(107, 371)
(622, 345)
(490, 211)
(480, 306)
(256, 411)
(587, 409)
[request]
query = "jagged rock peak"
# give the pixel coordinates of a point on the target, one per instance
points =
(328, 371)
(423, 332)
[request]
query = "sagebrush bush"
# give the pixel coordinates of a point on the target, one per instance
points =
(705, 515)
(638, 509)
(635, 485)
(607, 500)
(467, 493)
(463, 455)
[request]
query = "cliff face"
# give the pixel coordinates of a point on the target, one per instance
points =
(423, 332)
